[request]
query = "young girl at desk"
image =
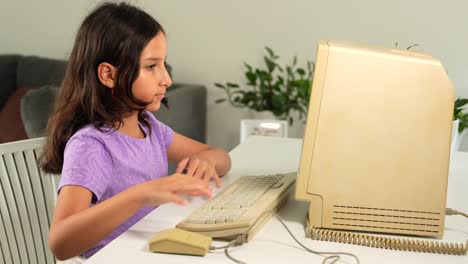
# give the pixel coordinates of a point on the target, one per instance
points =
(102, 137)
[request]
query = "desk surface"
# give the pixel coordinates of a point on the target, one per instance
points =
(272, 244)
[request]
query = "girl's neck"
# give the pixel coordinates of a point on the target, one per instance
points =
(131, 127)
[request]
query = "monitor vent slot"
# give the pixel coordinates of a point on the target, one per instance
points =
(384, 219)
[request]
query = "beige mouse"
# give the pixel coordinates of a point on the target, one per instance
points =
(178, 241)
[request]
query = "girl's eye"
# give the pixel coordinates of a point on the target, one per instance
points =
(150, 67)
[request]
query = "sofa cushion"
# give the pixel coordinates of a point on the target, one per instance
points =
(10, 118)
(8, 65)
(36, 107)
(37, 71)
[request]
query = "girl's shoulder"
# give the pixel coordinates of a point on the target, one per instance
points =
(90, 134)
(106, 135)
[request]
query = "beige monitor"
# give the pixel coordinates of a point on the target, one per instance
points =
(376, 147)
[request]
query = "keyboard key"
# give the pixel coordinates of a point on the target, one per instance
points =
(240, 206)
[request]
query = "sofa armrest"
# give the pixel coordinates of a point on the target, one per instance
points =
(187, 111)
(35, 108)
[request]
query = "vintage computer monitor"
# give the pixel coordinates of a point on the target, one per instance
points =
(376, 148)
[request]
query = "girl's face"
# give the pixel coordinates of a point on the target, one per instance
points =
(153, 80)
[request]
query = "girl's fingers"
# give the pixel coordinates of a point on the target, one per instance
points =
(194, 187)
(181, 166)
(201, 171)
(216, 179)
(192, 166)
(197, 193)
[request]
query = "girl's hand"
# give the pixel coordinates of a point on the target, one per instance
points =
(198, 167)
(168, 189)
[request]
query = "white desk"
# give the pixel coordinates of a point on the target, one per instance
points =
(272, 244)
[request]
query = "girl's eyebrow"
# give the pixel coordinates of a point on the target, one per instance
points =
(155, 59)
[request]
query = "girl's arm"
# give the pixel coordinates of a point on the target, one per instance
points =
(76, 226)
(197, 158)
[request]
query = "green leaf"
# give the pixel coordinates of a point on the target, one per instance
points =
(248, 66)
(270, 52)
(463, 123)
(300, 71)
(220, 85)
(263, 75)
(251, 77)
(220, 100)
(270, 64)
(238, 92)
(278, 102)
(280, 81)
(412, 46)
(232, 85)
(460, 102)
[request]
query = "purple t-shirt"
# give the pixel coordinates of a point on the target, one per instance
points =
(109, 162)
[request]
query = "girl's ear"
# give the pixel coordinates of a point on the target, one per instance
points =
(106, 73)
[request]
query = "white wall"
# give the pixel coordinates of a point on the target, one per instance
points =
(210, 39)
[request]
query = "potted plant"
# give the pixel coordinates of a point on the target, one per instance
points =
(280, 90)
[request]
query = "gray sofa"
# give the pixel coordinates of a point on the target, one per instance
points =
(28, 85)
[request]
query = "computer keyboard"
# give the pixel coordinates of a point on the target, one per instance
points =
(242, 208)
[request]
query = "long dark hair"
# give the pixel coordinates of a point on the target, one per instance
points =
(112, 33)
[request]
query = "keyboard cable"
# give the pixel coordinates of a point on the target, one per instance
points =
(242, 238)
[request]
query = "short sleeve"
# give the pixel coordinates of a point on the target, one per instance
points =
(87, 163)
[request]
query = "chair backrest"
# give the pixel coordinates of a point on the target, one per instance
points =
(27, 201)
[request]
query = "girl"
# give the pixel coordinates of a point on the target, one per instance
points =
(110, 150)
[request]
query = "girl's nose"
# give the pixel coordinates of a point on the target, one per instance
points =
(166, 81)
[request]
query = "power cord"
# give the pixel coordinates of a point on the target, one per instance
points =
(333, 256)
(450, 211)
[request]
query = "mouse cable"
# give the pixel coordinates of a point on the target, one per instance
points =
(237, 241)
(334, 256)
(241, 239)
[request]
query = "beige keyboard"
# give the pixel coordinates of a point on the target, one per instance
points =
(242, 208)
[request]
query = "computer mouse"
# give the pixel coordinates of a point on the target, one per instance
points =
(178, 241)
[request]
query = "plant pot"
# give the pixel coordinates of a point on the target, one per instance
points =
(453, 143)
(459, 140)
(296, 130)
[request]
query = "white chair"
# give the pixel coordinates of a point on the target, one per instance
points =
(27, 201)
